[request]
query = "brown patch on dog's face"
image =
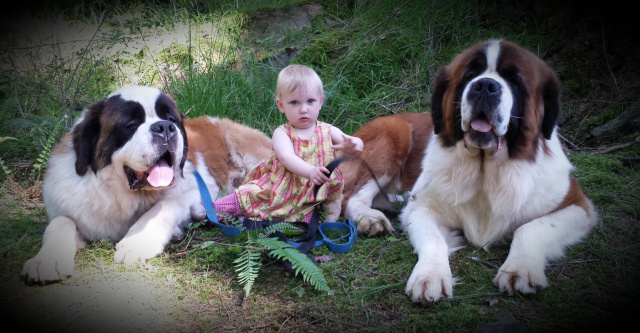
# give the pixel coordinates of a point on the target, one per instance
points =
(445, 101)
(119, 121)
(105, 127)
(540, 96)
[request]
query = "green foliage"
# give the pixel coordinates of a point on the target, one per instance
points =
(5, 169)
(300, 263)
(607, 114)
(43, 156)
(607, 181)
(247, 96)
(9, 109)
(247, 266)
(248, 262)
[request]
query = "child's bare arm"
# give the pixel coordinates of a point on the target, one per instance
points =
(347, 143)
(284, 150)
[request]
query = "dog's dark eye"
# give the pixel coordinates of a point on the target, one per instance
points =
(477, 64)
(132, 124)
(511, 74)
(469, 75)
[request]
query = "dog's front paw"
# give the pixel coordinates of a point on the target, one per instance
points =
(521, 275)
(46, 267)
(374, 223)
(430, 281)
(136, 248)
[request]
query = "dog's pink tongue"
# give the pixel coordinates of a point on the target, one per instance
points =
(160, 174)
(481, 126)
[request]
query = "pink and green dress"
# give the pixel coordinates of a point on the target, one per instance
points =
(271, 192)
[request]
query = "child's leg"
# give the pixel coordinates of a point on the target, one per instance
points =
(227, 207)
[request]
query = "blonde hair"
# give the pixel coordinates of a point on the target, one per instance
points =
(293, 77)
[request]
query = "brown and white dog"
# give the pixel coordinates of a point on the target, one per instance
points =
(393, 148)
(125, 173)
(493, 169)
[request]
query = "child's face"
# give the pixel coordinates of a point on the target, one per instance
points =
(302, 106)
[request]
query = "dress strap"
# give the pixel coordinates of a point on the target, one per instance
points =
(288, 129)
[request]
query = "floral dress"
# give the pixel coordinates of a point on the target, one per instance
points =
(271, 192)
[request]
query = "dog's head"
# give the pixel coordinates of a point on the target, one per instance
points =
(494, 94)
(136, 129)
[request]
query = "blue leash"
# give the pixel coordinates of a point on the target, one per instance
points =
(345, 244)
(227, 230)
(348, 227)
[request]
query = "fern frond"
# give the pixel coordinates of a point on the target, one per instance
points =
(5, 168)
(43, 157)
(281, 226)
(274, 244)
(311, 273)
(5, 138)
(247, 266)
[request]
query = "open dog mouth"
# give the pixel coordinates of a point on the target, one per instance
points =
(159, 175)
(482, 136)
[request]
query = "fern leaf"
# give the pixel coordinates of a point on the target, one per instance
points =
(4, 168)
(273, 243)
(311, 273)
(281, 226)
(5, 138)
(247, 266)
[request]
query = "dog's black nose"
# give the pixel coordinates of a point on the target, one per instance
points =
(488, 87)
(484, 97)
(164, 129)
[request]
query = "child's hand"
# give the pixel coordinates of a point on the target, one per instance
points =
(318, 175)
(350, 145)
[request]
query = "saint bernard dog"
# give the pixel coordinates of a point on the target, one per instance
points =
(492, 168)
(125, 173)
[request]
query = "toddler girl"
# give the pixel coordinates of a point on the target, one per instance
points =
(281, 188)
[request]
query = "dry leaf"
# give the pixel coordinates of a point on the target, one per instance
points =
(324, 258)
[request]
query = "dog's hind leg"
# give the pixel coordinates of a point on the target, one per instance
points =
(55, 259)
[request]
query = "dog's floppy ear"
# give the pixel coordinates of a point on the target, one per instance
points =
(552, 107)
(439, 87)
(85, 138)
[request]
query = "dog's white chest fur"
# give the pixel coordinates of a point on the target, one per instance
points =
(488, 199)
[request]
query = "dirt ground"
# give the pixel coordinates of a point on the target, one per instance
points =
(107, 300)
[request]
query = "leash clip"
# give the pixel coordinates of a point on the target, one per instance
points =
(399, 197)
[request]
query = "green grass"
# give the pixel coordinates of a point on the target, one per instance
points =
(375, 58)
